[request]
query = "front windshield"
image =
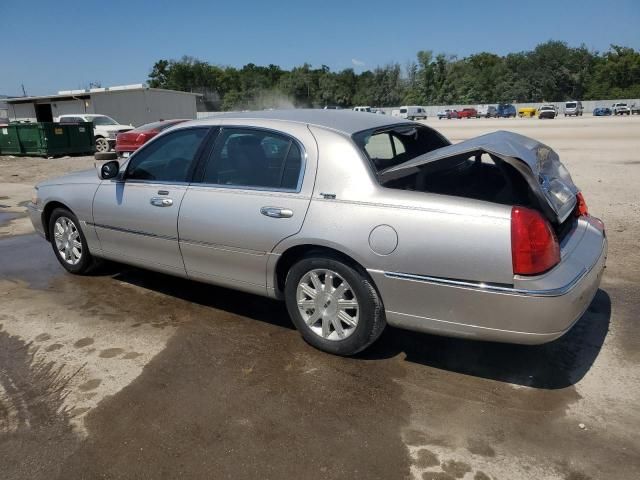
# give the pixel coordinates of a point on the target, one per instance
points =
(571, 105)
(103, 120)
(388, 147)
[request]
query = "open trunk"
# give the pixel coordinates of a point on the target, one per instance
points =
(500, 167)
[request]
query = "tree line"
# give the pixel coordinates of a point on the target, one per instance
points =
(552, 71)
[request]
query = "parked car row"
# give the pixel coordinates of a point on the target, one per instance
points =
(503, 110)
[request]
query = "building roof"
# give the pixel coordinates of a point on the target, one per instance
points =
(84, 94)
(346, 121)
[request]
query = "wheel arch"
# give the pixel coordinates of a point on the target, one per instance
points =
(46, 214)
(296, 252)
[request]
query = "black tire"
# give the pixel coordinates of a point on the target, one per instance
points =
(105, 156)
(87, 262)
(371, 316)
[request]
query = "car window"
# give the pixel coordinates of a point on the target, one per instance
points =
(254, 158)
(392, 146)
(71, 120)
(169, 158)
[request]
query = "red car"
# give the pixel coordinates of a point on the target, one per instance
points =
(129, 142)
(468, 113)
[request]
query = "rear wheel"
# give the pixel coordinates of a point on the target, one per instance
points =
(334, 306)
(69, 243)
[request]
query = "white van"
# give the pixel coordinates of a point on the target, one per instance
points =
(573, 108)
(362, 109)
(412, 112)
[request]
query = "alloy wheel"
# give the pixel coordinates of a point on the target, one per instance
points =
(67, 239)
(327, 304)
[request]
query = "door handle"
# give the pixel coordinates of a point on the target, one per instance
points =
(276, 212)
(161, 202)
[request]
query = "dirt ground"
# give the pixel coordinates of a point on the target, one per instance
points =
(132, 374)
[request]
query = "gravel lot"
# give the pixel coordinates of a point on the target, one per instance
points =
(132, 374)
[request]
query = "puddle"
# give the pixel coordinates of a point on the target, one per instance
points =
(6, 217)
(28, 258)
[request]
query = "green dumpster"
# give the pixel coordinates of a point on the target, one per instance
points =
(9, 142)
(47, 139)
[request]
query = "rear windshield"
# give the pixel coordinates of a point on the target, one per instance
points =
(388, 147)
(158, 126)
(571, 105)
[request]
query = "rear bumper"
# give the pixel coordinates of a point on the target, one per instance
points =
(529, 312)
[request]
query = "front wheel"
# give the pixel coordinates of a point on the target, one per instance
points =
(334, 306)
(102, 145)
(69, 243)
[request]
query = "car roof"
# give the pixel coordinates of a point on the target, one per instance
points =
(345, 121)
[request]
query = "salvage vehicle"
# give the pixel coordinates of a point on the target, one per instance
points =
(355, 221)
(411, 112)
(547, 111)
(468, 113)
(129, 142)
(364, 108)
(527, 112)
(506, 110)
(601, 111)
(105, 128)
(620, 109)
(448, 114)
(635, 109)
(573, 107)
(487, 111)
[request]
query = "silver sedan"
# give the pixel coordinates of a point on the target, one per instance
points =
(355, 221)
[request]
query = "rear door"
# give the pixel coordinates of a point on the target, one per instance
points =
(254, 190)
(136, 217)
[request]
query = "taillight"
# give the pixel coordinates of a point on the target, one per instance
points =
(143, 137)
(581, 207)
(534, 246)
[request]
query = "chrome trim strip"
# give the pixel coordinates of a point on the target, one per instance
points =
(493, 288)
(135, 232)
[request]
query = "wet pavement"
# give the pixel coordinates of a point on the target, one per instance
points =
(236, 393)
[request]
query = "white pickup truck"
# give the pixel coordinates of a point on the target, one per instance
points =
(105, 128)
(620, 109)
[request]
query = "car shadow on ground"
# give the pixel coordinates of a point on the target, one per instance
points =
(554, 365)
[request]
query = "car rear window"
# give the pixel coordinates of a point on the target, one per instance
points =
(388, 147)
(571, 105)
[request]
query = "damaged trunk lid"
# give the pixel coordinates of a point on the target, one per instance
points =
(540, 166)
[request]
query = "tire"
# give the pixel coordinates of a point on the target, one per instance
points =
(77, 264)
(309, 275)
(102, 145)
(104, 156)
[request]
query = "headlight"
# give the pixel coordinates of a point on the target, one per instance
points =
(34, 196)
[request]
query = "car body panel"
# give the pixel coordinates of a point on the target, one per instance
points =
(441, 264)
(236, 255)
(131, 229)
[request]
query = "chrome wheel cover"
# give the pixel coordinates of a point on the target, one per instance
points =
(67, 240)
(327, 304)
(102, 145)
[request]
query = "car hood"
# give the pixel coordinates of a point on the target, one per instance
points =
(540, 165)
(83, 176)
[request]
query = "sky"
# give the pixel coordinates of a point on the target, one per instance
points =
(68, 44)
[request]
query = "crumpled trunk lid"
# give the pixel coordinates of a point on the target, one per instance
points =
(541, 167)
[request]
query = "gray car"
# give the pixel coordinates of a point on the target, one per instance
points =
(355, 221)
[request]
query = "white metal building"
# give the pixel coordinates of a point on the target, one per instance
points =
(127, 104)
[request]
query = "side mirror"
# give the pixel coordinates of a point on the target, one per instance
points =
(109, 170)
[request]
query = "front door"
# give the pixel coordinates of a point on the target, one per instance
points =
(136, 217)
(249, 198)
